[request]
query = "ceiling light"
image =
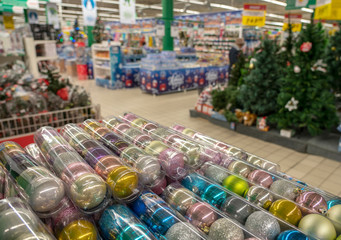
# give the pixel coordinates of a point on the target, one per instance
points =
(155, 7)
(307, 10)
(192, 1)
(178, 10)
(274, 15)
(108, 1)
(274, 23)
(223, 6)
(276, 2)
(305, 21)
(192, 12)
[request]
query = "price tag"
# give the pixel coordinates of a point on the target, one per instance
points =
(295, 27)
(175, 29)
(160, 28)
(254, 15)
(328, 10)
(294, 20)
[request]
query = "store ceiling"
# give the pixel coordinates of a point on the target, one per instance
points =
(109, 9)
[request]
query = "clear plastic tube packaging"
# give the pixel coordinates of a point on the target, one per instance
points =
(123, 180)
(17, 221)
(162, 219)
(149, 168)
(171, 160)
(43, 189)
(228, 149)
(206, 218)
(86, 189)
(70, 223)
(8, 187)
(37, 155)
(196, 154)
(118, 222)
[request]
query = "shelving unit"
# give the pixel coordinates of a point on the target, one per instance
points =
(32, 58)
(101, 71)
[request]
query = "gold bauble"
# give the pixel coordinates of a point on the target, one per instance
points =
(78, 230)
(317, 226)
(138, 122)
(286, 210)
(123, 181)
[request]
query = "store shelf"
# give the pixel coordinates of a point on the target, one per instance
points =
(102, 67)
(102, 58)
(36, 42)
(46, 58)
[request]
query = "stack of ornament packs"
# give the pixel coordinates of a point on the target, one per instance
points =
(128, 177)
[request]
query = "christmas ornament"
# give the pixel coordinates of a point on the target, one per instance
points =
(123, 181)
(260, 196)
(317, 226)
(138, 122)
(285, 189)
(319, 66)
(255, 161)
(263, 225)
(201, 215)
(292, 235)
(334, 214)
(239, 168)
(297, 69)
(188, 132)
(154, 148)
(150, 169)
(78, 229)
(291, 104)
(334, 202)
(194, 183)
(236, 185)
(178, 128)
(311, 202)
(159, 186)
(182, 231)
(286, 210)
(271, 167)
(180, 198)
(129, 117)
(215, 173)
(173, 162)
(306, 46)
(224, 228)
(261, 178)
(237, 209)
(214, 195)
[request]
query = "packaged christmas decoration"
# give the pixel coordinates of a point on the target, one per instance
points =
(17, 221)
(37, 155)
(172, 161)
(162, 219)
(119, 222)
(196, 154)
(8, 187)
(123, 180)
(149, 169)
(44, 190)
(86, 189)
(206, 218)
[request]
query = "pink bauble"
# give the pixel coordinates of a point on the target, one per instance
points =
(261, 178)
(178, 128)
(129, 117)
(160, 186)
(201, 215)
(311, 202)
(172, 162)
(120, 128)
(74, 171)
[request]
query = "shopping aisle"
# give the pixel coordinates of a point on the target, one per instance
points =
(174, 108)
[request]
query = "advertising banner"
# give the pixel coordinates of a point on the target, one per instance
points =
(52, 14)
(89, 12)
(127, 11)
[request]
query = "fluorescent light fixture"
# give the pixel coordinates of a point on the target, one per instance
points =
(192, 1)
(274, 23)
(272, 27)
(275, 16)
(192, 12)
(178, 10)
(155, 7)
(276, 2)
(307, 10)
(223, 6)
(108, 1)
(305, 21)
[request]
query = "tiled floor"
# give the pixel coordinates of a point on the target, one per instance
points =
(174, 108)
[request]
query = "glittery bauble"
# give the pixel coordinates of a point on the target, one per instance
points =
(64, 159)
(260, 196)
(292, 235)
(311, 202)
(150, 169)
(121, 128)
(132, 133)
(255, 161)
(111, 122)
(14, 223)
(173, 162)
(182, 231)
(138, 122)
(142, 140)
(333, 202)
(106, 164)
(149, 127)
(236, 185)
(261, 178)
(318, 226)
(159, 186)
(225, 229)
(263, 225)
(94, 155)
(129, 117)
(88, 191)
(131, 154)
(271, 167)
(240, 168)
(216, 173)
(74, 170)
(123, 181)
(155, 148)
(188, 132)
(286, 210)
(237, 209)
(181, 199)
(194, 183)
(178, 128)
(334, 214)
(214, 195)
(201, 215)
(285, 189)
(192, 151)
(78, 230)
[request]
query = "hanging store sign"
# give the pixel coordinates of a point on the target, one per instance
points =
(298, 4)
(175, 29)
(328, 10)
(127, 11)
(89, 12)
(254, 15)
(160, 28)
(294, 20)
(8, 21)
(52, 15)
(32, 16)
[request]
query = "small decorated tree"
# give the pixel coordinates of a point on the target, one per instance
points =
(75, 35)
(98, 30)
(305, 100)
(261, 86)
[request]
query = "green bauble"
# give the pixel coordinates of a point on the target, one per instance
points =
(334, 214)
(318, 226)
(339, 238)
(236, 185)
(155, 148)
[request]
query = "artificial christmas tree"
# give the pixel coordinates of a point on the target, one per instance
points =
(75, 35)
(237, 69)
(261, 86)
(286, 51)
(98, 30)
(305, 100)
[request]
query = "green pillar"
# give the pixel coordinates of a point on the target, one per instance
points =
(88, 31)
(167, 16)
(25, 15)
